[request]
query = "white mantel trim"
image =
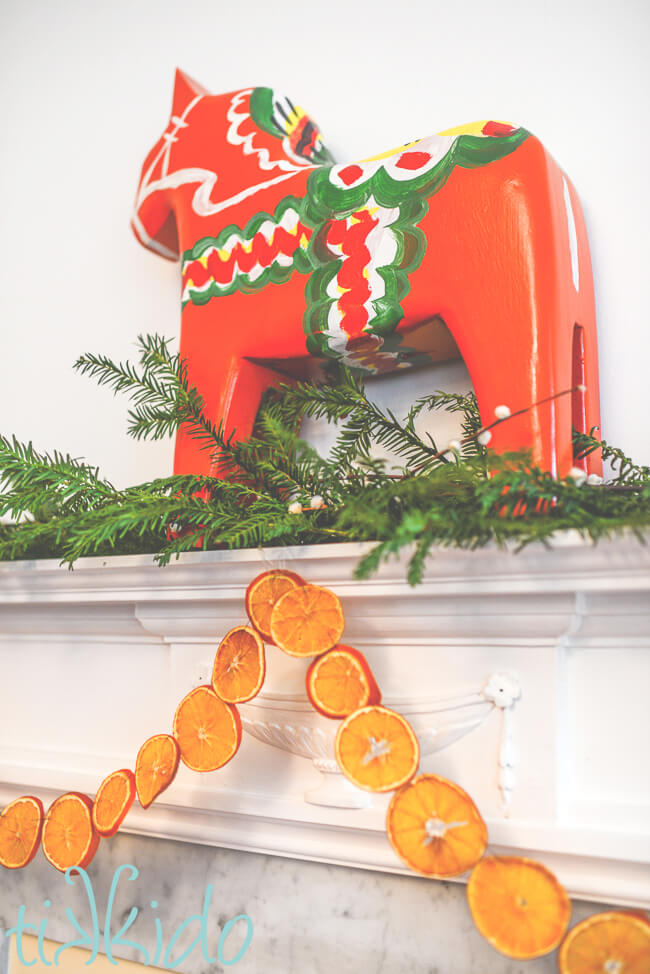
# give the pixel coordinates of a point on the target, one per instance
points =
(571, 595)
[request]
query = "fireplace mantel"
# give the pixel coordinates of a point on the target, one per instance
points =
(95, 660)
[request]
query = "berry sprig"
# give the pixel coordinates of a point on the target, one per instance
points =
(483, 437)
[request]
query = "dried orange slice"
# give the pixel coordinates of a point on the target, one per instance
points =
(239, 665)
(307, 620)
(208, 730)
(435, 827)
(262, 594)
(518, 905)
(113, 800)
(607, 943)
(21, 824)
(377, 749)
(340, 682)
(69, 837)
(155, 767)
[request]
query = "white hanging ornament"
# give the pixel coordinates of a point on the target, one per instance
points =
(503, 691)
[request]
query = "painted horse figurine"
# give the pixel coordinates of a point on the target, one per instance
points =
(469, 243)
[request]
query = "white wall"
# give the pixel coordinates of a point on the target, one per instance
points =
(86, 90)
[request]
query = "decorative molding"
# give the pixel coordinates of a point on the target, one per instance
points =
(199, 575)
(558, 624)
(290, 723)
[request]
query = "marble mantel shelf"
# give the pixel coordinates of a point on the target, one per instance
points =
(94, 661)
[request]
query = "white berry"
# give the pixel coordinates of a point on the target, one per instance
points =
(295, 508)
(484, 437)
(502, 412)
(577, 474)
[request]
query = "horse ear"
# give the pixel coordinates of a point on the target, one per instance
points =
(185, 89)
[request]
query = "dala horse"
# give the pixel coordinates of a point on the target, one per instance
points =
(287, 258)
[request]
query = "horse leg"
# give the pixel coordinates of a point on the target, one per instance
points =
(586, 403)
(231, 388)
(498, 266)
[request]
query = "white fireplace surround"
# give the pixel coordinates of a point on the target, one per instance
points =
(526, 676)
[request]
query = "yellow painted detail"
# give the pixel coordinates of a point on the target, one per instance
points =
(294, 119)
(472, 128)
(391, 152)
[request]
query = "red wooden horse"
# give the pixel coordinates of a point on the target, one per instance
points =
(286, 256)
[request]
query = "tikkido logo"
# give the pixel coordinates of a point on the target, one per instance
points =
(238, 930)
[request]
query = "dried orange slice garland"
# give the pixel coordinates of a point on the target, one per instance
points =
(239, 665)
(434, 826)
(340, 682)
(113, 800)
(207, 729)
(262, 594)
(307, 620)
(518, 906)
(613, 942)
(377, 749)
(155, 767)
(69, 836)
(21, 824)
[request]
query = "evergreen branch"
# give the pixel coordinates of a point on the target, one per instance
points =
(33, 482)
(464, 499)
(293, 465)
(330, 402)
(628, 471)
(367, 424)
(165, 401)
(154, 389)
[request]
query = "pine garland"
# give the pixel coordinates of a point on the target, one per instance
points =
(280, 491)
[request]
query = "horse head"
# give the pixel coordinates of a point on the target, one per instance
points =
(215, 151)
